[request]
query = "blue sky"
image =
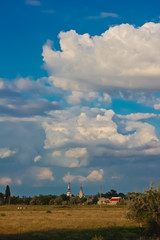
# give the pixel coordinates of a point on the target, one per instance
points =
(79, 95)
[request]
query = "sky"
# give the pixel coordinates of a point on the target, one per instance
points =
(79, 95)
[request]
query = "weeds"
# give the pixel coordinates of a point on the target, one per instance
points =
(3, 214)
(48, 211)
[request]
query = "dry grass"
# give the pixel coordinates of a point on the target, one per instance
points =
(37, 218)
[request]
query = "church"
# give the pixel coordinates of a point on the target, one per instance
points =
(69, 191)
(81, 194)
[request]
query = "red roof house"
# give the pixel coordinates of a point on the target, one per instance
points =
(114, 200)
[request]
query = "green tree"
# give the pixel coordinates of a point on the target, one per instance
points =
(146, 207)
(7, 195)
(35, 201)
(94, 200)
(1, 198)
(75, 200)
(52, 201)
(16, 200)
(58, 200)
(26, 200)
(65, 197)
(45, 199)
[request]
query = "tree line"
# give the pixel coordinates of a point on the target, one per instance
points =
(63, 199)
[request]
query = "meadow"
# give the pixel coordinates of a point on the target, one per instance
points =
(68, 222)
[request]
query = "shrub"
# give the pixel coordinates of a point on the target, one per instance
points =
(48, 211)
(146, 207)
(51, 202)
(3, 214)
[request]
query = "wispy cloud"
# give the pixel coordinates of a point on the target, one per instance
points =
(37, 158)
(48, 11)
(104, 15)
(33, 2)
(5, 180)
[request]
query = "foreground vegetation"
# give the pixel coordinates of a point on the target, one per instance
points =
(146, 207)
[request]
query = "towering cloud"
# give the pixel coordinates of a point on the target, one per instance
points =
(122, 57)
(95, 134)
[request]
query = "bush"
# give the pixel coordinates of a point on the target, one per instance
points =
(146, 207)
(48, 211)
(3, 214)
(51, 202)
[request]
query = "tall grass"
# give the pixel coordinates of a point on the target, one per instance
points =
(36, 218)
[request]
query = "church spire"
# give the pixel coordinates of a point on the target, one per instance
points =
(81, 194)
(69, 190)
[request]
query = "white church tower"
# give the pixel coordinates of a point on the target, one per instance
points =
(81, 194)
(69, 191)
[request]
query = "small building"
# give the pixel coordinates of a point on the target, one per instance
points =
(114, 200)
(69, 191)
(103, 200)
(81, 194)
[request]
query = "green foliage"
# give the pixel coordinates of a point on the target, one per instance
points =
(113, 193)
(45, 199)
(146, 207)
(75, 200)
(94, 200)
(26, 200)
(58, 200)
(64, 197)
(16, 200)
(1, 198)
(35, 201)
(48, 211)
(3, 214)
(62, 200)
(52, 201)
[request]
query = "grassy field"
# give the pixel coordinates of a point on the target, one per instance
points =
(79, 222)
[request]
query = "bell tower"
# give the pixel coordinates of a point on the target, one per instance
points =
(81, 194)
(69, 190)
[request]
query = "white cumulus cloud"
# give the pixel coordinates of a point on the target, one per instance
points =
(95, 133)
(43, 173)
(76, 152)
(95, 175)
(112, 60)
(6, 152)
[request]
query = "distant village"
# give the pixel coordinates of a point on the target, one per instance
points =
(102, 200)
(108, 198)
